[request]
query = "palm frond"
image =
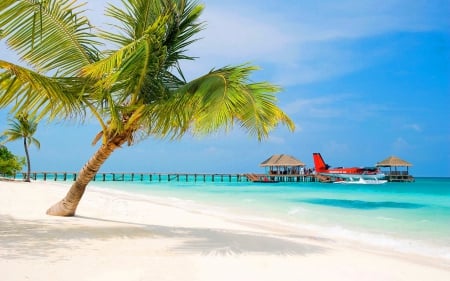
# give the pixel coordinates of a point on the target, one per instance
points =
(51, 35)
(171, 24)
(228, 97)
(182, 32)
(29, 91)
(132, 74)
(216, 101)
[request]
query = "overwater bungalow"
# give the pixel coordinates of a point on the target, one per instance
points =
(283, 167)
(398, 169)
(283, 164)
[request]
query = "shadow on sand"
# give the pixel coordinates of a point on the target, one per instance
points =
(27, 238)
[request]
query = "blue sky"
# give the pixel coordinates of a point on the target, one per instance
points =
(362, 80)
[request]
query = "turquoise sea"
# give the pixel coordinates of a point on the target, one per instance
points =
(408, 217)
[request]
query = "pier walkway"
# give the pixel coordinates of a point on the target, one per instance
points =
(281, 178)
(168, 177)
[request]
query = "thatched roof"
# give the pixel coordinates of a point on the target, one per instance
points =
(393, 161)
(282, 160)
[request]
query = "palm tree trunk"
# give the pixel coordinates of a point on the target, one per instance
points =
(68, 205)
(27, 179)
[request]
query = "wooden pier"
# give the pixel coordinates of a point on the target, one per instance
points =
(169, 177)
(124, 176)
(281, 178)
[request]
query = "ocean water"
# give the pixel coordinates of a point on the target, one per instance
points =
(408, 217)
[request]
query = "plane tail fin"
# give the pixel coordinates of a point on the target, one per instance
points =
(319, 164)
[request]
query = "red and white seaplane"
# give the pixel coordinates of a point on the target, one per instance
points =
(354, 175)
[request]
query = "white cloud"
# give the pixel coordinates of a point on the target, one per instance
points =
(233, 35)
(319, 107)
(299, 38)
(414, 127)
(400, 144)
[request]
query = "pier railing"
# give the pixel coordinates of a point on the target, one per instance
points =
(126, 176)
(161, 177)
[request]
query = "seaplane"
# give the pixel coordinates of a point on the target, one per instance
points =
(354, 175)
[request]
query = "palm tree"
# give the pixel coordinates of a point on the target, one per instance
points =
(22, 128)
(137, 89)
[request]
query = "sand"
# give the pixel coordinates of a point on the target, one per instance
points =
(124, 237)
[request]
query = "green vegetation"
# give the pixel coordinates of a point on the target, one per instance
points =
(136, 90)
(23, 128)
(9, 163)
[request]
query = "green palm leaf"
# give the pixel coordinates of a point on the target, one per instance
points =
(31, 92)
(218, 100)
(49, 35)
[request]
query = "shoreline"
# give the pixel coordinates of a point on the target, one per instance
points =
(125, 237)
(428, 248)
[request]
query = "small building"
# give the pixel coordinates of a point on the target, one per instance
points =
(286, 168)
(283, 164)
(398, 169)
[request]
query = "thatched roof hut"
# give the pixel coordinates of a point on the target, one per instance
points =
(396, 175)
(283, 164)
(282, 160)
(393, 161)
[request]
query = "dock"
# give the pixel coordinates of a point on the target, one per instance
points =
(281, 178)
(127, 176)
(169, 177)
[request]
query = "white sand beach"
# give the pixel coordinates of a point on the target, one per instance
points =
(124, 237)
